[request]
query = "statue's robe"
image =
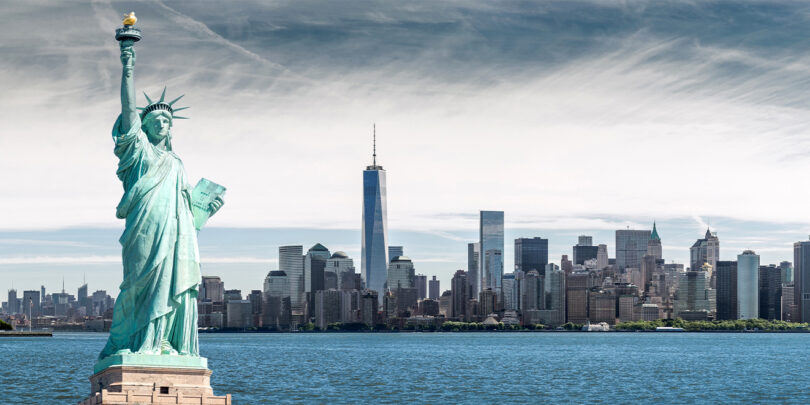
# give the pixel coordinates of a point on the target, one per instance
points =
(156, 310)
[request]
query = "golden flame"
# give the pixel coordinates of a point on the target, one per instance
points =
(130, 19)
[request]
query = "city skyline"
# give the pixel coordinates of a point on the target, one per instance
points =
(654, 81)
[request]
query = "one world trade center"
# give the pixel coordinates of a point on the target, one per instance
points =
(374, 262)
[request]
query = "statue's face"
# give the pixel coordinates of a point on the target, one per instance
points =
(157, 125)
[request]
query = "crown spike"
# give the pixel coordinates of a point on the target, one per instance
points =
(148, 100)
(180, 109)
(177, 117)
(140, 108)
(175, 100)
(162, 95)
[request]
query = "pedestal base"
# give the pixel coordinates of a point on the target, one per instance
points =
(124, 384)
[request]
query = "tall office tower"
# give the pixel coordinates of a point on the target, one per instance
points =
(584, 253)
(433, 288)
(696, 300)
(510, 299)
(602, 260)
(748, 285)
(42, 293)
(654, 244)
(585, 240)
(491, 242)
(420, 281)
(314, 267)
(400, 273)
(395, 251)
(648, 267)
(787, 272)
(602, 306)
(533, 292)
(30, 303)
(706, 250)
(631, 246)
(770, 292)
(473, 266)
(461, 289)
(212, 289)
(276, 311)
(576, 296)
(81, 295)
(801, 281)
(13, 307)
(291, 262)
(340, 264)
(554, 284)
(788, 303)
(374, 260)
(726, 276)
(531, 254)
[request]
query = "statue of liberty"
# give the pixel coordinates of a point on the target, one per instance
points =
(156, 310)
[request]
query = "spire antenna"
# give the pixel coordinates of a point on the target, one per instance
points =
(374, 155)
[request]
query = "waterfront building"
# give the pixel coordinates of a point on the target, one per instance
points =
(395, 251)
(389, 305)
(407, 300)
(577, 285)
(554, 291)
(277, 308)
(770, 292)
(706, 250)
(429, 307)
(801, 281)
(256, 306)
(369, 304)
(748, 285)
(695, 300)
(343, 267)
(374, 255)
(510, 290)
(474, 266)
(433, 288)
(212, 289)
(327, 308)
(601, 306)
(788, 303)
(446, 304)
(240, 314)
(533, 291)
(30, 303)
(314, 265)
(654, 248)
(488, 302)
(531, 254)
(291, 262)
(726, 276)
(400, 273)
(787, 272)
(81, 295)
(627, 306)
(491, 243)
(650, 312)
(602, 259)
(631, 246)
(13, 302)
(461, 292)
(420, 282)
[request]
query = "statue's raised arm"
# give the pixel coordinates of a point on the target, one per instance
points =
(128, 111)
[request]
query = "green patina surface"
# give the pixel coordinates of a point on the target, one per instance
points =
(155, 315)
(151, 360)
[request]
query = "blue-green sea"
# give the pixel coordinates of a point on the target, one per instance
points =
(449, 367)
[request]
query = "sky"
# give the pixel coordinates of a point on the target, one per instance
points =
(572, 117)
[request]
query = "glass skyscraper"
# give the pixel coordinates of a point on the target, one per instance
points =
(631, 246)
(801, 280)
(748, 285)
(531, 254)
(491, 245)
(374, 255)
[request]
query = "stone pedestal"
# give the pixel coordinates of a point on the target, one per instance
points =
(177, 380)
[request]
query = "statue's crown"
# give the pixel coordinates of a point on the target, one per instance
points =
(161, 105)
